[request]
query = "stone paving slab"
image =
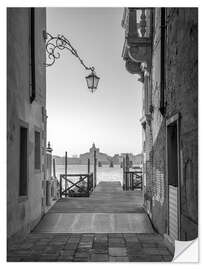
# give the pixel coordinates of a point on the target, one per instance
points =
(95, 223)
(89, 248)
(107, 197)
(109, 209)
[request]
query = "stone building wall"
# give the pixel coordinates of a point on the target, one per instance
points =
(168, 57)
(182, 96)
(158, 134)
(24, 211)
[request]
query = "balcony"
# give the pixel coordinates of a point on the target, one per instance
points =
(137, 23)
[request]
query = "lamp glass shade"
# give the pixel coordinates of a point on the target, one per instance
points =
(92, 81)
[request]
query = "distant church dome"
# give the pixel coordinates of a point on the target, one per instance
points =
(94, 148)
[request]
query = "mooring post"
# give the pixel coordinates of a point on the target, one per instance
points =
(88, 166)
(141, 180)
(60, 186)
(66, 167)
(95, 169)
(131, 181)
(88, 185)
(127, 170)
(54, 168)
(124, 175)
(55, 181)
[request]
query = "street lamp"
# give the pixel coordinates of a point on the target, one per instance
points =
(92, 81)
(56, 43)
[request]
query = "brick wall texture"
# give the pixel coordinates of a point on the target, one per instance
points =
(180, 96)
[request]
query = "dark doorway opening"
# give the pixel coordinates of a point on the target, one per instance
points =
(173, 179)
(172, 155)
(23, 175)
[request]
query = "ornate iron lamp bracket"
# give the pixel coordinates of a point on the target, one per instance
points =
(55, 44)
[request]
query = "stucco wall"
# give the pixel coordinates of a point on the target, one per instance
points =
(22, 213)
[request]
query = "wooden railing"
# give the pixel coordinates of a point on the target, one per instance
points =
(76, 185)
(132, 180)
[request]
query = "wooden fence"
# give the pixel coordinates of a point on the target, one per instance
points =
(132, 180)
(76, 185)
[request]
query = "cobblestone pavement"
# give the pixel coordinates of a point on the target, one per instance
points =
(97, 245)
(93, 247)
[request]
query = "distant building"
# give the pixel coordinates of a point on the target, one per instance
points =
(70, 160)
(137, 159)
(26, 118)
(116, 159)
(134, 159)
(101, 157)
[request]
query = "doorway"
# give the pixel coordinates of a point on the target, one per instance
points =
(173, 176)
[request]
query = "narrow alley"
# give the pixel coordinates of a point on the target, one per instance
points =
(102, 133)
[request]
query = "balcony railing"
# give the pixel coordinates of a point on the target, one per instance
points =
(143, 23)
(138, 39)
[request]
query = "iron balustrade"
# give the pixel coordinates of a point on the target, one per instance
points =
(82, 186)
(132, 180)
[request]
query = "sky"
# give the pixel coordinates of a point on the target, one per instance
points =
(110, 116)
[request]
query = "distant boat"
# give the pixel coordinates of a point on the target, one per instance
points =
(99, 164)
(111, 164)
(137, 167)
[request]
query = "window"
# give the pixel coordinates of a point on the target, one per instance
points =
(23, 175)
(32, 54)
(37, 151)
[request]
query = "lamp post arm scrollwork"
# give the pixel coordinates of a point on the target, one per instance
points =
(55, 44)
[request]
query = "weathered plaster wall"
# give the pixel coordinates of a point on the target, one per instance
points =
(182, 96)
(22, 213)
